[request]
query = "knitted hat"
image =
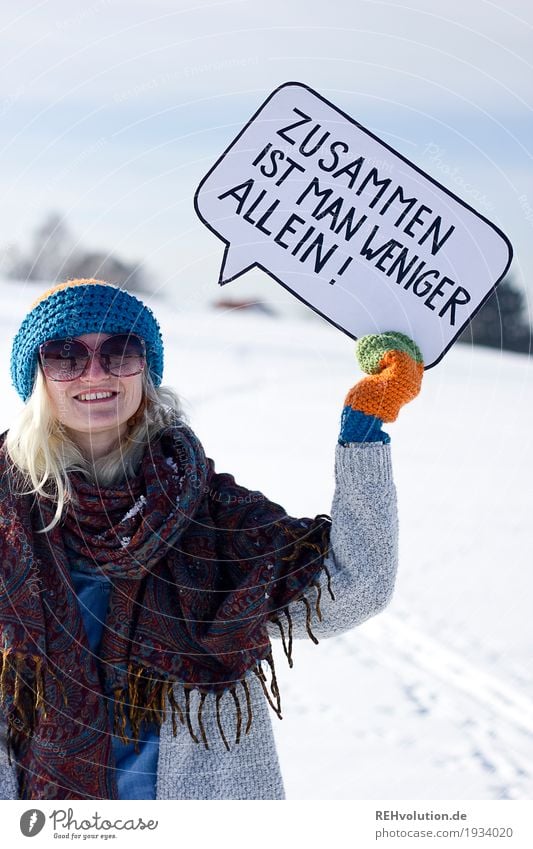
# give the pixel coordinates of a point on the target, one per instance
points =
(77, 307)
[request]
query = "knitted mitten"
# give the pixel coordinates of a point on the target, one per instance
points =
(395, 368)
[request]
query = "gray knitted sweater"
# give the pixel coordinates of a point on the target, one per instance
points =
(362, 562)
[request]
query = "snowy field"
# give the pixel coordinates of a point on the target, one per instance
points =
(432, 699)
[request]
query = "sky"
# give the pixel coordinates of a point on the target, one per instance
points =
(113, 111)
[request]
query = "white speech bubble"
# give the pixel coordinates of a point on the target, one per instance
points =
(348, 225)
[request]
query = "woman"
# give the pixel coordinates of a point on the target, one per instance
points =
(140, 588)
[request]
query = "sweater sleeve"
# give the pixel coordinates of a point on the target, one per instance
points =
(8, 775)
(363, 555)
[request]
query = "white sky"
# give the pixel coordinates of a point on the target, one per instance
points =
(112, 111)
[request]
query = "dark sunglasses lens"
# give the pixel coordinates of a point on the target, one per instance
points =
(122, 355)
(63, 359)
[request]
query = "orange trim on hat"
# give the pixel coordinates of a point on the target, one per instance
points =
(77, 282)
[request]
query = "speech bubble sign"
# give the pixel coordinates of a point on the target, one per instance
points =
(349, 225)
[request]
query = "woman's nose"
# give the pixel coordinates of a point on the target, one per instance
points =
(94, 369)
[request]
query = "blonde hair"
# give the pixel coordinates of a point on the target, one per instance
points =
(42, 453)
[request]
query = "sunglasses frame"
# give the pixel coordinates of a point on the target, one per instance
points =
(92, 353)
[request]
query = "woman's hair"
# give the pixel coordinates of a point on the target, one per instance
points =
(42, 453)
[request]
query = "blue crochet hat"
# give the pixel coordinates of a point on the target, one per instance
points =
(77, 307)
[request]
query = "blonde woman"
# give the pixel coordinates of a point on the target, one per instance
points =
(140, 588)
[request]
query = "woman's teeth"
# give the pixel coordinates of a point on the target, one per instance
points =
(94, 396)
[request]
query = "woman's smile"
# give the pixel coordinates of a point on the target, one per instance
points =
(96, 396)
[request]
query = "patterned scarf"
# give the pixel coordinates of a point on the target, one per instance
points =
(199, 565)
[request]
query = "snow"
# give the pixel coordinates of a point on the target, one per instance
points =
(173, 465)
(433, 698)
(137, 507)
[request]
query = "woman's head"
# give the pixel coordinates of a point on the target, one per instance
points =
(77, 308)
(118, 353)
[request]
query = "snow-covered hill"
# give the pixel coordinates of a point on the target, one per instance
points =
(434, 697)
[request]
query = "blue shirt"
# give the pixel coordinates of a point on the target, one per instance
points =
(136, 773)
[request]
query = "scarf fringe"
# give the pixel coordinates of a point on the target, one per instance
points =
(321, 548)
(145, 700)
(286, 639)
(22, 693)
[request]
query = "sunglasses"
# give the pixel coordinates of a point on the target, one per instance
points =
(121, 355)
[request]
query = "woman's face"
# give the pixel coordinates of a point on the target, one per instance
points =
(75, 406)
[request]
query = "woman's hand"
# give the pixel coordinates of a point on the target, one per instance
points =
(395, 368)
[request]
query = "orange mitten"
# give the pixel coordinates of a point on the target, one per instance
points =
(395, 368)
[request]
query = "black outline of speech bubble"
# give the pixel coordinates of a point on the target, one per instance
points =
(392, 150)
